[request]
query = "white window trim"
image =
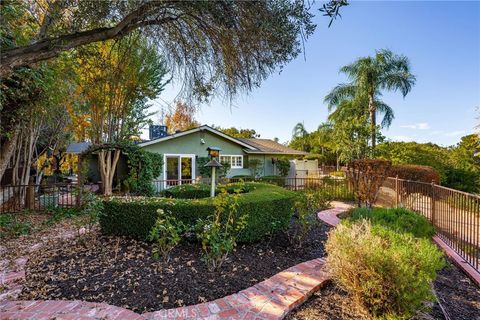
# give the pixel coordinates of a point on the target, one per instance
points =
(178, 155)
(233, 155)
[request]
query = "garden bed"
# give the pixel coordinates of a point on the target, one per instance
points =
(122, 272)
(459, 297)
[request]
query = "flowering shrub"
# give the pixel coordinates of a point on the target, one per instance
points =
(166, 233)
(219, 232)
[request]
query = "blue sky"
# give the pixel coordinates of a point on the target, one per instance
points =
(442, 40)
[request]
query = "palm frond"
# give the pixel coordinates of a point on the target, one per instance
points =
(387, 111)
(341, 92)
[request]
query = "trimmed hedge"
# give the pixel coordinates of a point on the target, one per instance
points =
(415, 173)
(269, 209)
(201, 190)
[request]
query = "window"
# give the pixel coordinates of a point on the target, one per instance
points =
(236, 162)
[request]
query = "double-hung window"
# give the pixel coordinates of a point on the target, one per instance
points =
(235, 161)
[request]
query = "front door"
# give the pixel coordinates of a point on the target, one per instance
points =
(179, 169)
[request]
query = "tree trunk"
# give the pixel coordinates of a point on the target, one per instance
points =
(7, 150)
(107, 168)
(373, 121)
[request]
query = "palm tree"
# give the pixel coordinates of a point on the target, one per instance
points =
(369, 76)
(300, 132)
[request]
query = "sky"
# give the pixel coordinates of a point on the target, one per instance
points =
(441, 39)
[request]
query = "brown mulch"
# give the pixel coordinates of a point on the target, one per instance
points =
(458, 295)
(122, 271)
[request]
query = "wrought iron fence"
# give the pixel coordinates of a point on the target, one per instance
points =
(454, 214)
(37, 197)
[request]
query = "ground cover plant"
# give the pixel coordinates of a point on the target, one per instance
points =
(385, 260)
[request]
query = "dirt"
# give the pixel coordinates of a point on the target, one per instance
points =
(122, 271)
(458, 295)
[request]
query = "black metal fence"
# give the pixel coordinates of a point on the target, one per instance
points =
(454, 214)
(37, 197)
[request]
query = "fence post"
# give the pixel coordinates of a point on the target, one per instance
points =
(30, 194)
(432, 217)
(396, 191)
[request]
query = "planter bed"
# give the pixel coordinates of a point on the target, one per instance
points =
(459, 297)
(122, 272)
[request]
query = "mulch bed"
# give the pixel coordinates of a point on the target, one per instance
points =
(122, 272)
(459, 297)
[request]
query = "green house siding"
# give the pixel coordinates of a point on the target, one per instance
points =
(196, 144)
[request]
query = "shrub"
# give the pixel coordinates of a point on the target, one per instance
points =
(265, 205)
(200, 190)
(275, 180)
(366, 177)
(283, 165)
(219, 232)
(166, 233)
(396, 219)
(255, 166)
(415, 173)
(388, 274)
(339, 174)
(308, 202)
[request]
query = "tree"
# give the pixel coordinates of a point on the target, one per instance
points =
(239, 133)
(227, 46)
(369, 76)
(116, 80)
(182, 118)
(299, 132)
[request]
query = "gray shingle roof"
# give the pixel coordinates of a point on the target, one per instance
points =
(269, 146)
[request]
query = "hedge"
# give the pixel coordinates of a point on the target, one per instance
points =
(415, 173)
(200, 190)
(269, 209)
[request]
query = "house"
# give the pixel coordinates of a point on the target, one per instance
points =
(183, 151)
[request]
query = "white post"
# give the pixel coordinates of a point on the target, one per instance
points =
(212, 190)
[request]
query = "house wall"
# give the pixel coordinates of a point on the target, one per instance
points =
(192, 144)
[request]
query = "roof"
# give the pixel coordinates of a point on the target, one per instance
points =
(252, 146)
(270, 147)
(201, 128)
(77, 147)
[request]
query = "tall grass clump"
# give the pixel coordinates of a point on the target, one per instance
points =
(388, 274)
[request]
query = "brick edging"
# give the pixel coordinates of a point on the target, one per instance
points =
(270, 299)
(330, 217)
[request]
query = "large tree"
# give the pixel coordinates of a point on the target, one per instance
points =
(116, 81)
(181, 118)
(212, 45)
(369, 77)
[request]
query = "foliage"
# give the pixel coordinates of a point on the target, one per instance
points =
(283, 166)
(338, 174)
(201, 190)
(388, 274)
(222, 45)
(275, 180)
(89, 212)
(239, 133)
(307, 203)
(219, 233)
(144, 167)
(12, 226)
(182, 118)
(166, 233)
(456, 165)
(135, 216)
(255, 167)
(369, 77)
(207, 172)
(399, 220)
(366, 177)
(415, 173)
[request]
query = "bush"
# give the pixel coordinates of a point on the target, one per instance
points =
(275, 180)
(396, 219)
(166, 233)
(388, 274)
(339, 174)
(220, 231)
(201, 190)
(269, 209)
(415, 173)
(283, 165)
